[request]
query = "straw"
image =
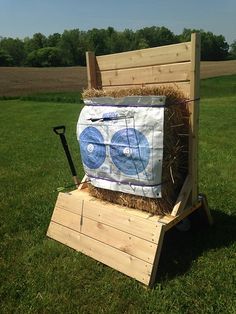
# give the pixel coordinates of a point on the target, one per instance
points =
(175, 152)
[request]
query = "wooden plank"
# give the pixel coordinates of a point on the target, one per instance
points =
(121, 261)
(79, 196)
(120, 240)
(145, 57)
(112, 215)
(162, 219)
(83, 183)
(188, 211)
(194, 113)
(157, 258)
(91, 69)
(182, 86)
(177, 72)
(183, 197)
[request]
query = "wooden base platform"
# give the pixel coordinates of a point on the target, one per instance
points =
(127, 240)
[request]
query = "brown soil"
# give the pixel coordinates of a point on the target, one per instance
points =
(217, 68)
(23, 81)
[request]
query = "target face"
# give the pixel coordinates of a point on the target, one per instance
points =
(92, 147)
(130, 151)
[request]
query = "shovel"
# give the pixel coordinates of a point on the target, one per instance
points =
(60, 130)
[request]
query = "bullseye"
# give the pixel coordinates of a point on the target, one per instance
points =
(90, 148)
(127, 151)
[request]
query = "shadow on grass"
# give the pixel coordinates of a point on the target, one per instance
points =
(180, 249)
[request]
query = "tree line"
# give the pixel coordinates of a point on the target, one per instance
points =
(68, 48)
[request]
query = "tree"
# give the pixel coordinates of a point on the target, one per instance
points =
(73, 45)
(45, 57)
(53, 40)
(38, 41)
(70, 47)
(233, 49)
(156, 36)
(122, 41)
(98, 41)
(129, 38)
(5, 59)
(213, 47)
(14, 48)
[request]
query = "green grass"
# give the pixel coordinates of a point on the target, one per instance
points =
(59, 97)
(64, 97)
(197, 271)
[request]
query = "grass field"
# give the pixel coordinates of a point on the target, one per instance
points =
(197, 271)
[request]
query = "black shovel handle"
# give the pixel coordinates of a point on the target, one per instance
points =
(60, 130)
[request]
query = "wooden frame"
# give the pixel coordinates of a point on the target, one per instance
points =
(126, 239)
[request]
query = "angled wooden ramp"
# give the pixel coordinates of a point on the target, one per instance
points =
(128, 240)
(125, 239)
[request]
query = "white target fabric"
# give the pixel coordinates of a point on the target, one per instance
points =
(121, 143)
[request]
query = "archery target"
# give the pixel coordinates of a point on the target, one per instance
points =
(121, 143)
(92, 148)
(130, 151)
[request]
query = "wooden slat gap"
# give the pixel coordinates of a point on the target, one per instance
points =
(141, 67)
(146, 84)
(144, 67)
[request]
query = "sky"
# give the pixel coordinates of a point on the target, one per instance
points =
(23, 18)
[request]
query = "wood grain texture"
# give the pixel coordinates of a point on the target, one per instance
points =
(104, 253)
(182, 199)
(121, 218)
(177, 72)
(156, 259)
(118, 239)
(194, 113)
(145, 57)
(91, 69)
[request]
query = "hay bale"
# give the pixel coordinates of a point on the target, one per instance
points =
(175, 152)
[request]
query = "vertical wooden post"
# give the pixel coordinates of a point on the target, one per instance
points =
(91, 69)
(194, 113)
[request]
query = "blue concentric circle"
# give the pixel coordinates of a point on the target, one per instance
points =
(130, 151)
(92, 147)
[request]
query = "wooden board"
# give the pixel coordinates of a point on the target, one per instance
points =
(176, 72)
(152, 66)
(182, 199)
(116, 238)
(145, 57)
(131, 221)
(125, 239)
(194, 113)
(91, 69)
(106, 254)
(122, 238)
